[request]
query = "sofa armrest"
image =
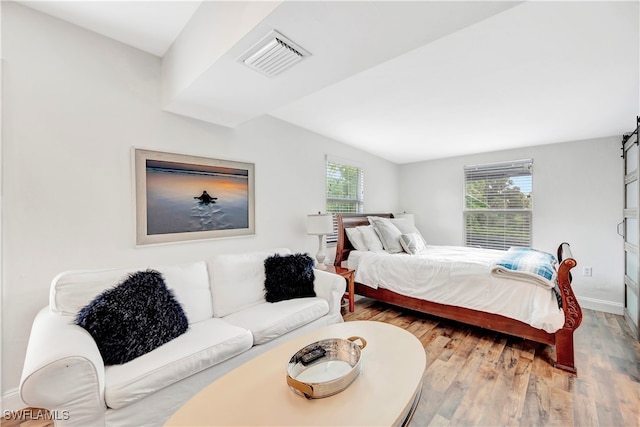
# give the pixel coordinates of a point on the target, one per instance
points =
(330, 287)
(63, 371)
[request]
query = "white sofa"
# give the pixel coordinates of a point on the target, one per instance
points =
(229, 323)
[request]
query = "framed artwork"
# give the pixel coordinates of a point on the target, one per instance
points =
(181, 198)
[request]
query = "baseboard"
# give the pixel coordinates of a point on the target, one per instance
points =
(11, 401)
(601, 305)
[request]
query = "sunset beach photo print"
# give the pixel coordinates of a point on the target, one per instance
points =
(185, 197)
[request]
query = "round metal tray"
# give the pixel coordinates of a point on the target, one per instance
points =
(325, 367)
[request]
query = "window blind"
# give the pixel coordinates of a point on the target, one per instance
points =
(345, 191)
(498, 204)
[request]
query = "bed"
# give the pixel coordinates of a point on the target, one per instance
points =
(555, 332)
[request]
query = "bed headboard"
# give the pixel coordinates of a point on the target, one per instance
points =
(347, 220)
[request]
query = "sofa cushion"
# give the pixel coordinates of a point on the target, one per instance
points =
(288, 277)
(268, 321)
(72, 290)
(203, 345)
(133, 318)
(237, 280)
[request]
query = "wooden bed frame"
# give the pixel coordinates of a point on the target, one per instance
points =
(562, 339)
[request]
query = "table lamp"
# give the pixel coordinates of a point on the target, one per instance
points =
(408, 216)
(321, 225)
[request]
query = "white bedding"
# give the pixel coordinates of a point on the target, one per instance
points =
(459, 276)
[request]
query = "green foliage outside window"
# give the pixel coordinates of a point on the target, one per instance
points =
(496, 193)
(498, 206)
(344, 188)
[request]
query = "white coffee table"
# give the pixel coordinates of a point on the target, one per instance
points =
(386, 392)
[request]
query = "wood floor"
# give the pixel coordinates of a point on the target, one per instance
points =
(476, 377)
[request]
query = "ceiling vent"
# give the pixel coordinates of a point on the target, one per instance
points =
(273, 54)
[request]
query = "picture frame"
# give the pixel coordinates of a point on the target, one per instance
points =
(184, 198)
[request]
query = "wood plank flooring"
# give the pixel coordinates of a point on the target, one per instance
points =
(476, 377)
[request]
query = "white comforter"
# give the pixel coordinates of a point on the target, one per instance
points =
(459, 276)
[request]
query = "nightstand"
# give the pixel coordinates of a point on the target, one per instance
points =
(349, 275)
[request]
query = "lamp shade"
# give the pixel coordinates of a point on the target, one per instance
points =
(320, 224)
(408, 216)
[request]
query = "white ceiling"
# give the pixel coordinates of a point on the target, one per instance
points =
(407, 81)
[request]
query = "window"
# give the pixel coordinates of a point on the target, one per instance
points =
(498, 204)
(345, 193)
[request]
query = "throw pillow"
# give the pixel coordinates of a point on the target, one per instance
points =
(133, 318)
(288, 277)
(370, 237)
(356, 239)
(407, 227)
(412, 243)
(389, 234)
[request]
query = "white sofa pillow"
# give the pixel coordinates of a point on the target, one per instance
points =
(370, 237)
(72, 290)
(389, 234)
(190, 285)
(237, 280)
(356, 239)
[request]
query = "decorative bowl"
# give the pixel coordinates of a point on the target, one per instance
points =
(325, 367)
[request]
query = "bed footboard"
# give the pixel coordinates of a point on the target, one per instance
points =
(572, 311)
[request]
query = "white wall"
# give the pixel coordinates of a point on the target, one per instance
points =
(577, 198)
(74, 103)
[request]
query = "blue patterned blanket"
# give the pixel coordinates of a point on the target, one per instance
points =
(529, 265)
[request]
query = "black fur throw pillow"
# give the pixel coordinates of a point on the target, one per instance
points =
(133, 318)
(288, 277)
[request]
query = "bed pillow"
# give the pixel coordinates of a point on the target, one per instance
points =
(288, 277)
(406, 227)
(356, 239)
(133, 318)
(389, 234)
(370, 238)
(412, 243)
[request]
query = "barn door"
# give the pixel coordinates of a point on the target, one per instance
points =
(631, 231)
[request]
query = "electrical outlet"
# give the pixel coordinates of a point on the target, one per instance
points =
(586, 271)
